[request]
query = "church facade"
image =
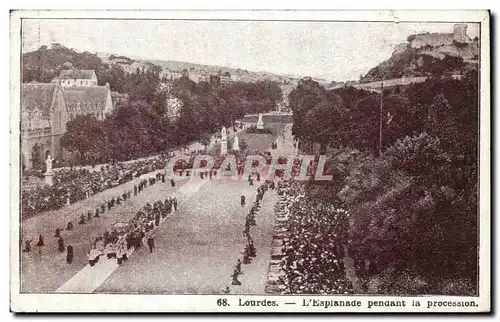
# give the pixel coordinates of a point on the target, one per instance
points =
(46, 108)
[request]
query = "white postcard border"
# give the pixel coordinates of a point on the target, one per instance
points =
(208, 303)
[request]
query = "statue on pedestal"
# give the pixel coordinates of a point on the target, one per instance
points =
(223, 141)
(260, 123)
(48, 163)
(236, 144)
(49, 174)
(224, 134)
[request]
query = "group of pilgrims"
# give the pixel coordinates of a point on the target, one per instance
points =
(72, 185)
(249, 251)
(313, 249)
(115, 242)
(112, 175)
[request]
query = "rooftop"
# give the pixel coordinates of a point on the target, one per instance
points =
(85, 95)
(77, 74)
(37, 95)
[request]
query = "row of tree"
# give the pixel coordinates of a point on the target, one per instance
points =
(414, 206)
(159, 116)
(154, 117)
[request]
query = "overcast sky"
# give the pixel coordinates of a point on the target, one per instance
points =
(338, 50)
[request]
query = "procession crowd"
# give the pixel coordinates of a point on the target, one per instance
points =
(313, 250)
(118, 239)
(250, 251)
(72, 185)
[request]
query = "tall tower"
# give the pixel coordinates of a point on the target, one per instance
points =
(460, 32)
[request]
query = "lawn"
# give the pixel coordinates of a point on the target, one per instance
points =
(254, 141)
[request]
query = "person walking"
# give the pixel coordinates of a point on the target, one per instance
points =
(60, 245)
(69, 254)
(27, 246)
(40, 241)
(151, 243)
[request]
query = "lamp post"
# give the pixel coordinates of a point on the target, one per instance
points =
(381, 116)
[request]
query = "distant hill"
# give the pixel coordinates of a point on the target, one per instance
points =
(241, 74)
(428, 54)
(45, 63)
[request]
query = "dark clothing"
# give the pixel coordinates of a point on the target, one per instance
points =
(69, 254)
(27, 245)
(40, 241)
(60, 245)
(151, 244)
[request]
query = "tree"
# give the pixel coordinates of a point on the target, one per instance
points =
(84, 134)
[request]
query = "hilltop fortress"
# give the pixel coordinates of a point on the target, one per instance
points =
(428, 54)
(438, 45)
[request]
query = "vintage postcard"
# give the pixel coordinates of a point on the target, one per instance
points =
(250, 161)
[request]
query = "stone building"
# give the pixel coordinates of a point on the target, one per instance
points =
(204, 76)
(225, 79)
(170, 75)
(75, 77)
(459, 35)
(47, 107)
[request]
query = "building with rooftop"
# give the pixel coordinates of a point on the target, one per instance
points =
(75, 77)
(46, 108)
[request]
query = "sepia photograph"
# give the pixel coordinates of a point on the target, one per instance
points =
(246, 161)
